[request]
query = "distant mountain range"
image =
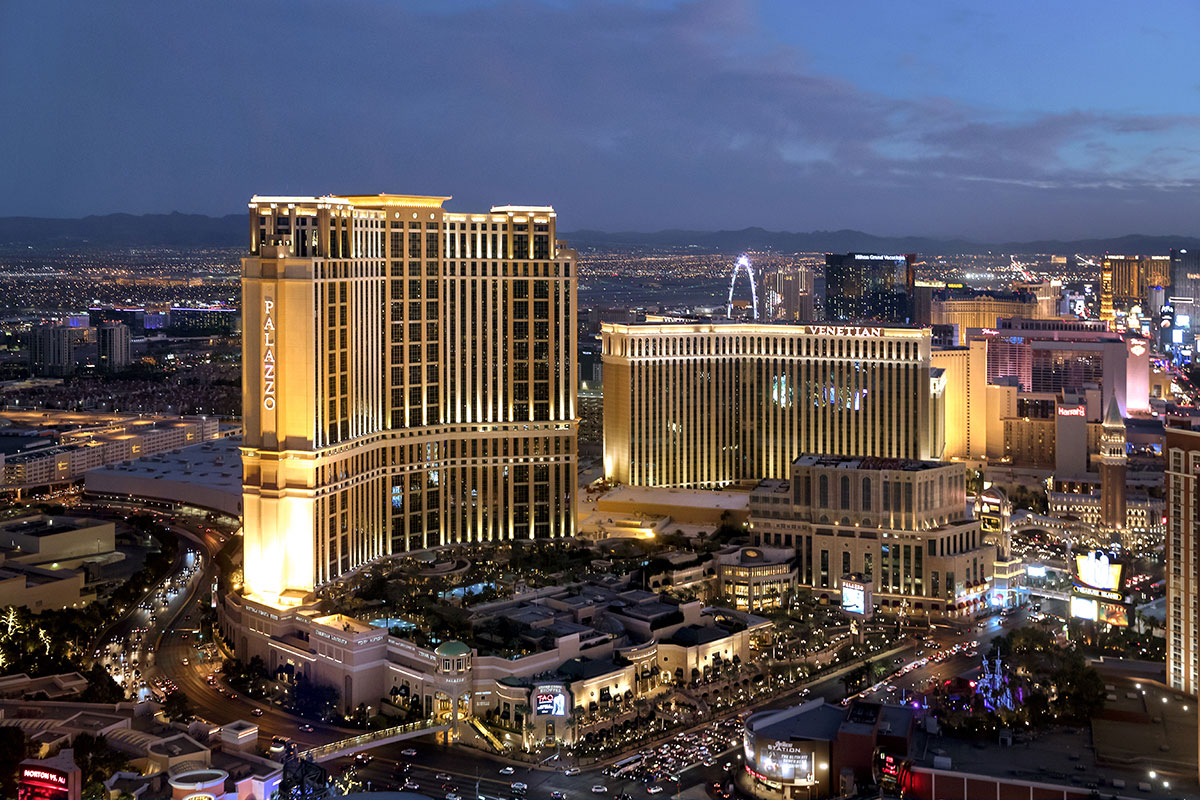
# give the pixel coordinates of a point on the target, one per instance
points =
(177, 230)
(844, 241)
(173, 230)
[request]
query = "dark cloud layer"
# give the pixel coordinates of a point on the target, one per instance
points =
(623, 115)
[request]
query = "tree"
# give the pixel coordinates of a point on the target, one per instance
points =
(13, 749)
(177, 707)
(316, 700)
(96, 762)
(101, 687)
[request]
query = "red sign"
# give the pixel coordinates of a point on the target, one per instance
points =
(1078, 411)
(43, 783)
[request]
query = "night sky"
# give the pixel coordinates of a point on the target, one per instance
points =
(989, 120)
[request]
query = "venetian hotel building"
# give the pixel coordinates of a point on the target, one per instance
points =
(704, 405)
(409, 381)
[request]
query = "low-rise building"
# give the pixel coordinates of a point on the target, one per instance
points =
(534, 667)
(757, 579)
(206, 475)
(57, 542)
(84, 441)
(40, 589)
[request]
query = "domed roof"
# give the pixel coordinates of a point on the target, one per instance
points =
(452, 649)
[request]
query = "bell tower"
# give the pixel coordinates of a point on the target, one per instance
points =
(1112, 468)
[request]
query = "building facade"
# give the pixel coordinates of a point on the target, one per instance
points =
(52, 350)
(537, 668)
(903, 524)
(113, 346)
(704, 405)
(970, 309)
(869, 286)
(409, 381)
(1182, 449)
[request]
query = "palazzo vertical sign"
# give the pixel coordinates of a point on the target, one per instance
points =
(268, 359)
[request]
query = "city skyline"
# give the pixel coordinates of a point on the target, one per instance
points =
(634, 116)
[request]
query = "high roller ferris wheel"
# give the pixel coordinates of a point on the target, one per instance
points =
(743, 262)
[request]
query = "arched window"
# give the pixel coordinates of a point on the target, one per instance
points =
(866, 494)
(845, 491)
(823, 492)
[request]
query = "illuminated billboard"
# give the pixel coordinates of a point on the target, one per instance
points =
(1084, 608)
(1113, 614)
(779, 761)
(550, 703)
(1097, 574)
(1099, 611)
(856, 597)
(39, 781)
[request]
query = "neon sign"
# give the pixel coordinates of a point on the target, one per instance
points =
(1078, 411)
(33, 774)
(268, 355)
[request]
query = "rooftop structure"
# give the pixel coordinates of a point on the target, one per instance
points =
(207, 475)
(84, 441)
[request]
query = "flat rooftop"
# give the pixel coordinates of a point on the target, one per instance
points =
(215, 464)
(661, 496)
(872, 463)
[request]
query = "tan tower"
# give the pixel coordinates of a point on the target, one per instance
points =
(1112, 468)
(408, 382)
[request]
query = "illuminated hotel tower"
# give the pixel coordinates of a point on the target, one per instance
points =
(703, 405)
(1112, 469)
(1182, 451)
(408, 382)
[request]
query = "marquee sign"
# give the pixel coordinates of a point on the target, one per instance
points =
(856, 331)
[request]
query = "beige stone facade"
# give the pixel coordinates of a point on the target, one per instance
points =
(902, 524)
(409, 381)
(704, 405)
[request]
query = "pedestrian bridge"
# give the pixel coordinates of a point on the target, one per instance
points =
(332, 750)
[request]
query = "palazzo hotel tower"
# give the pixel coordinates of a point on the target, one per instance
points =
(409, 381)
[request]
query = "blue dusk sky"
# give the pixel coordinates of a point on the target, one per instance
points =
(993, 121)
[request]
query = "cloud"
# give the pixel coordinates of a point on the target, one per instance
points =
(622, 114)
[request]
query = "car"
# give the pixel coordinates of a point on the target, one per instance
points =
(599, 788)
(411, 785)
(655, 789)
(441, 776)
(408, 752)
(507, 771)
(453, 796)
(258, 712)
(307, 728)
(571, 771)
(557, 795)
(362, 758)
(518, 786)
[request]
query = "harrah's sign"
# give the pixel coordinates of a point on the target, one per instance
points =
(857, 331)
(268, 361)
